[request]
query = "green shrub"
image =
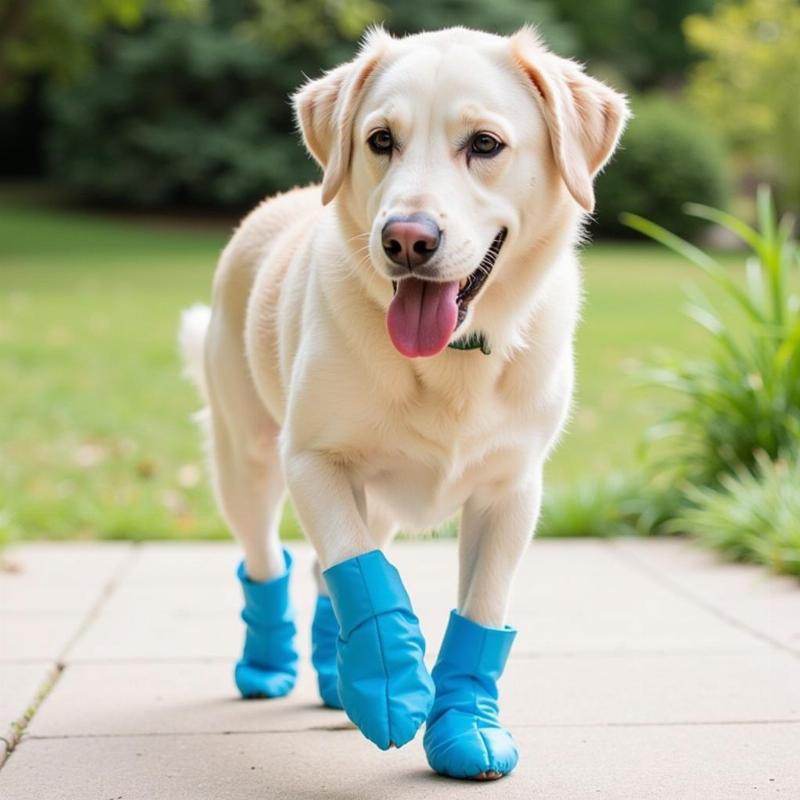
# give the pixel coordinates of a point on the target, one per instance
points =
(191, 111)
(588, 508)
(619, 505)
(745, 397)
(163, 119)
(751, 516)
(666, 159)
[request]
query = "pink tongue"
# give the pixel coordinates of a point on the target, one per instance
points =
(422, 316)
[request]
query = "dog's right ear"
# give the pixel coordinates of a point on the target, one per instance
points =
(326, 107)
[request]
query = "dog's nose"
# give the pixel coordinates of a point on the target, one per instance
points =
(411, 240)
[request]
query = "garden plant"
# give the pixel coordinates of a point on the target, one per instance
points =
(731, 441)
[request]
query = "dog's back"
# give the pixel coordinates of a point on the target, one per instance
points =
(284, 218)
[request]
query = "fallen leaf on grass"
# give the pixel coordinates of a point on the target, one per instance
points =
(189, 476)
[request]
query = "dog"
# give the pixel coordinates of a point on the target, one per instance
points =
(395, 346)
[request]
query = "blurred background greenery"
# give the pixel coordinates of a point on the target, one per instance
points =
(134, 132)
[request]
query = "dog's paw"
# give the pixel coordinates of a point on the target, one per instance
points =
(254, 682)
(461, 745)
(464, 738)
(268, 666)
(383, 682)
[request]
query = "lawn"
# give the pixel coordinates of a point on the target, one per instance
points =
(95, 431)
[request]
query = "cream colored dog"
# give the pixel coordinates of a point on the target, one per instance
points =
(458, 169)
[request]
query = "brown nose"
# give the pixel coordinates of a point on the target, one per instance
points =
(411, 240)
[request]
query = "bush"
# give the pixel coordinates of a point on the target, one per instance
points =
(619, 505)
(745, 398)
(192, 111)
(589, 508)
(163, 120)
(666, 159)
(752, 516)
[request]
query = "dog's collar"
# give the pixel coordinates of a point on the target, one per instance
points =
(473, 341)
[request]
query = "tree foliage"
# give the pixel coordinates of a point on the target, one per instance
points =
(749, 85)
(195, 111)
(640, 41)
(53, 37)
(502, 16)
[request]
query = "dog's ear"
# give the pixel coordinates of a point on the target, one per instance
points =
(325, 109)
(584, 117)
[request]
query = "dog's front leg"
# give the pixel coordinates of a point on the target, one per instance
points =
(464, 738)
(382, 680)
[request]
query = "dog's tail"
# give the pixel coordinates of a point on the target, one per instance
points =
(191, 342)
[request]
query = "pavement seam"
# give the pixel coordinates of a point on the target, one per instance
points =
(524, 655)
(17, 728)
(626, 556)
(348, 728)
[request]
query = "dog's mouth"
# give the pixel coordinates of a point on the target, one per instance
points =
(468, 289)
(424, 314)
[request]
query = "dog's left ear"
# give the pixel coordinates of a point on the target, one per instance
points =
(325, 109)
(584, 117)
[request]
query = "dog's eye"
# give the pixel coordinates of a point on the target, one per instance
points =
(485, 145)
(381, 142)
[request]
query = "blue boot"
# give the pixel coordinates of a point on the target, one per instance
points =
(268, 666)
(463, 738)
(383, 682)
(324, 633)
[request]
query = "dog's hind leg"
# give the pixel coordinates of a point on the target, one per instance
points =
(241, 438)
(243, 451)
(249, 487)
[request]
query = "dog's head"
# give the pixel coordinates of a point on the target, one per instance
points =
(441, 149)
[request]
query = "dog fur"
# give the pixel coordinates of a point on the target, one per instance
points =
(303, 386)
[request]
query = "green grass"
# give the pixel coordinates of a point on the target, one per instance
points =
(95, 431)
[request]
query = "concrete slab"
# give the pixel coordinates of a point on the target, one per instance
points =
(651, 689)
(632, 678)
(614, 763)
(745, 594)
(115, 698)
(199, 697)
(44, 602)
(577, 597)
(573, 596)
(185, 608)
(58, 578)
(570, 597)
(36, 638)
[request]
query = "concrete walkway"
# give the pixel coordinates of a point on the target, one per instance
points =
(642, 669)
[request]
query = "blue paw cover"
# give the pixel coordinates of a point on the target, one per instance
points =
(383, 683)
(268, 666)
(324, 633)
(463, 737)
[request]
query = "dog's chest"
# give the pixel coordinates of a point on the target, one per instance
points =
(430, 457)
